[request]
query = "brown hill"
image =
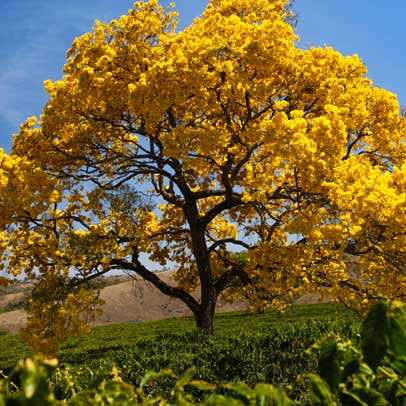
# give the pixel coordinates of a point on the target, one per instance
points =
(127, 301)
(138, 300)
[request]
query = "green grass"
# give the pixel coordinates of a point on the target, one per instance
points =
(269, 347)
(227, 325)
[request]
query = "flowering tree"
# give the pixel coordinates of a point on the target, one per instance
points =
(184, 148)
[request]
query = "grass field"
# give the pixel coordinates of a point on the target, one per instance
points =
(253, 359)
(268, 347)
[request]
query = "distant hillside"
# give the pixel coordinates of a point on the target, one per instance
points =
(127, 300)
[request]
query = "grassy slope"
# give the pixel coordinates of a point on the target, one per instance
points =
(227, 325)
(252, 348)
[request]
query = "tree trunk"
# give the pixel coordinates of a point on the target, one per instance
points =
(205, 314)
(204, 319)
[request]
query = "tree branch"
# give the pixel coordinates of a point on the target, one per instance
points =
(231, 241)
(237, 271)
(136, 266)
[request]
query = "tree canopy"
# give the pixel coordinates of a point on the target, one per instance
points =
(187, 147)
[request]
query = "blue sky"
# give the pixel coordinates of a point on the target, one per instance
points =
(37, 34)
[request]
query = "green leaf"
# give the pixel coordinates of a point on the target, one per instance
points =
(399, 365)
(351, 399)
(397, 330)
(375, 336)
(268, 395)
(240, 388)
(220, 400)
(329, 365)
(364, 397)
(351, 368)
(202, 385)
(321, 394)
(29, 383)
(186, 377)
(150, 375)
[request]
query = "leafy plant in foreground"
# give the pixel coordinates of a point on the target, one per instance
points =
(371, 376)
(348, 376)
